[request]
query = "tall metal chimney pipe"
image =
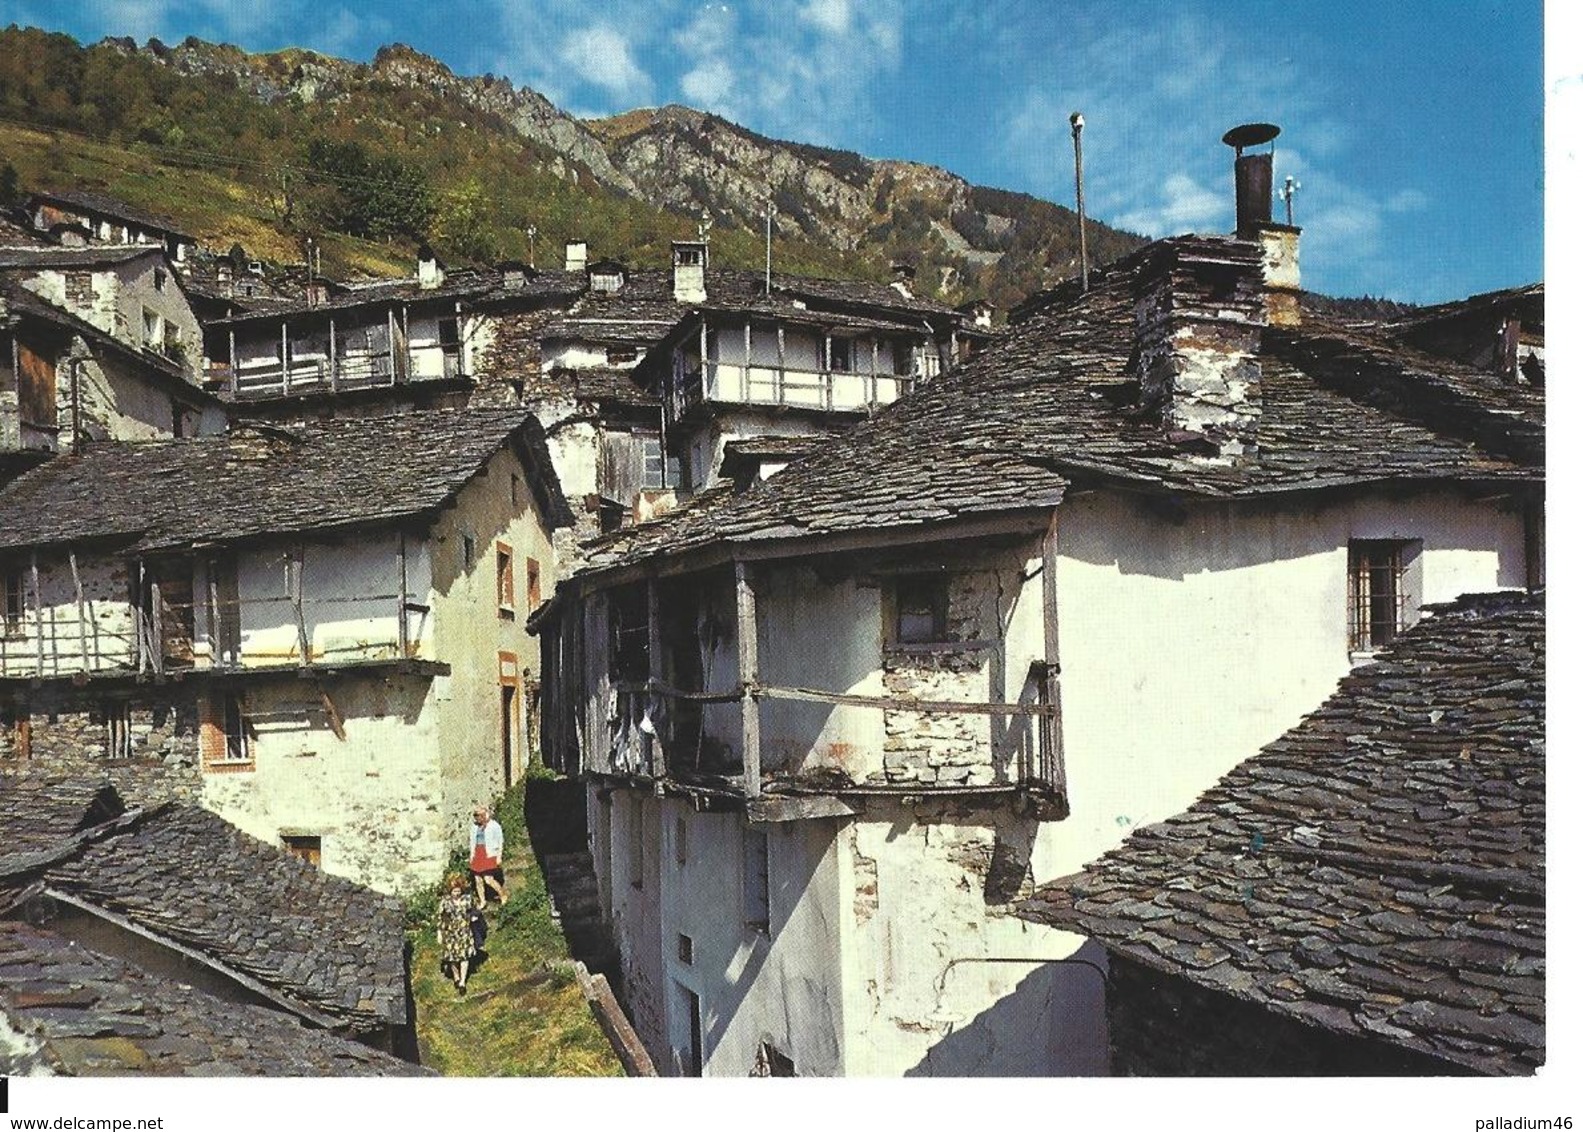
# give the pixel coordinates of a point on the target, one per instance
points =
(1082, 218)
(1254, 174)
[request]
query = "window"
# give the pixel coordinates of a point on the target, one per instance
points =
(689, 257)
(680, 842)
(305, 847)
(532, 568)
(659, 471)
(690, 1058)
(901, 354)
(684, 948)
(153, 329)
(15, 605)
(159, 279)
(118, 730)
(756, 880)
(1379, 604)
(225, 738)
(505, 583)
(516, 492)
(469, 552)
(840, 355)
(922, 608)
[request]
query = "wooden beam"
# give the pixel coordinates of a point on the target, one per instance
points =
(748, 669)
(335, 368)
(656, 675)
(1054, 754)
(801, 807)
(403, 646)
(285, 359)
(231, 337)
(38, 609)
(902, 703)
(211, 569)
(82, 610)
(331, 714)
(296, 601)
(156, 644)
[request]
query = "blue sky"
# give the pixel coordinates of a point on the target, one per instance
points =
(1414, 127)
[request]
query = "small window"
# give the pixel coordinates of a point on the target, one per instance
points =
(756, 881)
(153, 329)
(516, 493)
(532, 569)
(15, 605)
(505, 582)
(224, 733)
(469, 552)
(680, 842)
(841, 355)
(922, 608)
(305, 847)
(236, 748)
(901, 354)
(450, 333)
(684, 948)
(657, 473)
(118, 730)
(689, 257)
(159, 279)
(1379, 605)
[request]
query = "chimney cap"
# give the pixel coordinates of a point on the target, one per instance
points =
(1254, 133)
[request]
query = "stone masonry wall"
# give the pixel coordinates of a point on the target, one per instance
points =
(938, 748)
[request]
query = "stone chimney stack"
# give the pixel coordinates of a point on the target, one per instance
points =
(1199, 316)
(431, 272)
(1255, 174)
(689, 265)
(576, 255)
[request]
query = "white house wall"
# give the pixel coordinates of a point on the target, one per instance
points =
(376, 799)
(1187, 645)
(104, 636)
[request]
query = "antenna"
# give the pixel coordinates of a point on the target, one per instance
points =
(704, 225)
(1288, 191)
(1082, 219)
(532, 232)
(769, 216)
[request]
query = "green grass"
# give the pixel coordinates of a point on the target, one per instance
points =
(523, 1014)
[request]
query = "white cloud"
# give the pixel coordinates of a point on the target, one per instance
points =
(1183, 205)
(832, 17)
(601, 55)
(1407, 200)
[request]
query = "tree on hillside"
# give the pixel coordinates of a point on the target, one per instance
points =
(368, 195)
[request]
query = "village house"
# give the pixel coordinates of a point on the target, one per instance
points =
(834, 724)
(1364, 896)
(314, 630)
(75, 217)
(164, 941)
(92, 347)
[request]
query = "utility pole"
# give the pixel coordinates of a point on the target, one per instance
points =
(1082, 218)
(532, 232)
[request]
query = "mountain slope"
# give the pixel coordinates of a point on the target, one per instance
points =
(509, 173)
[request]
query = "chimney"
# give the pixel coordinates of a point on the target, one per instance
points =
(689, 262)
(901, 277)
(576, 255)
(1255, 176)
(431, 272)
(1199, 316)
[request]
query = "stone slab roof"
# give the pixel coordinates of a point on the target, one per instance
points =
(264, 480)
(1377, 871)
(75, 1012)
(38, 813)
(63, 258)
(1055, 400)
(600, 383)
(106, 205)
(327, 946)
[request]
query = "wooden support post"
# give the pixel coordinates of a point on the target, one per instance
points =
(1054, 758)
(156, 644)
(38, 608)
(390, 335)
(656, 675)
(748, 668)
(703, 359)
(139, 629)
(873, 370)
(780, 364)
(231, 337)
(82, 609)
(296, 601)
(216, 659)
(403, 646)
(406, 346)
(285, 359)
(335, 366)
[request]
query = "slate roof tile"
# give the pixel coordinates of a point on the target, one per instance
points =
(267, 480)
(1342, 896)
(79, 1013)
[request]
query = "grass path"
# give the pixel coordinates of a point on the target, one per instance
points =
(523, 1015)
